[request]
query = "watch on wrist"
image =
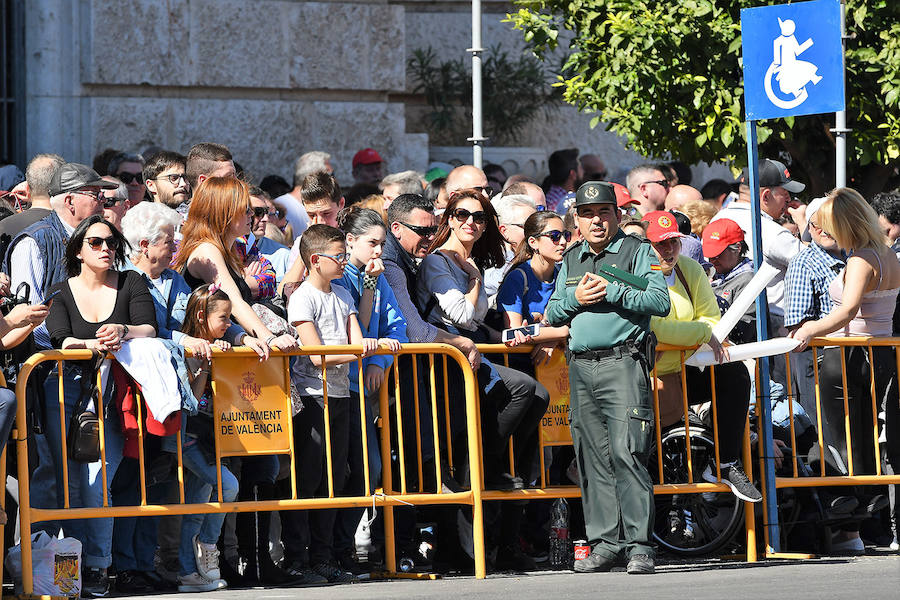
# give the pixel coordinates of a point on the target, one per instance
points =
(124, 331)
(370, 282)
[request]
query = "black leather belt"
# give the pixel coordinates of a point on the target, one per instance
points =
(626, 349)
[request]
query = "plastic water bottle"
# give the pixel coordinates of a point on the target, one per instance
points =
(560, 542)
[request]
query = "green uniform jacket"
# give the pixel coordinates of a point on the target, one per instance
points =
(625, 312)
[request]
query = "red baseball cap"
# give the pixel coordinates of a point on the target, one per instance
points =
(366, 156)
(662, 226)
(720, 234)
(623, 198)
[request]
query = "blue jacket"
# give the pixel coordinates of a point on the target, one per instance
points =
(386, 321)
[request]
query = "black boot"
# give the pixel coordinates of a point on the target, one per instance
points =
(245, 531)
(269, 573)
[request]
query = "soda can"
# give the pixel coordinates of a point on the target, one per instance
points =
(582, 549)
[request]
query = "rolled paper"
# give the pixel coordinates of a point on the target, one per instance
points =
(747, 297)
(704, 357)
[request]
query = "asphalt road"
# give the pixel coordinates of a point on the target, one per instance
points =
(876, 577)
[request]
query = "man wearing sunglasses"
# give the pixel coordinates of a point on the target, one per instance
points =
(610, 357)
(115, 202)
(648, 185)
(36, 255)
(164, 175)
(412, 229)
(129, 169)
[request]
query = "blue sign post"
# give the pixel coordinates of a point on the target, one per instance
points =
(793, 65)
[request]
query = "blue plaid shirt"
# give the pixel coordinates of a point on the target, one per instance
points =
(806, 284)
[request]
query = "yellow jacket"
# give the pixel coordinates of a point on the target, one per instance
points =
(687, 324)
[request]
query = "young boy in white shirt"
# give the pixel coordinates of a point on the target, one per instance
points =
(323, 315)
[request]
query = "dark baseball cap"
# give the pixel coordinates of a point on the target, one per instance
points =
(595, 192)
(773, 174)
(74, 176)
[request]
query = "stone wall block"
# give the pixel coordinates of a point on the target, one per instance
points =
(236, 43)
(346, 46)
(264, 136)
(139, 41)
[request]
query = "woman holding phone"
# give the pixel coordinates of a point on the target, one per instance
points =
(529, 283)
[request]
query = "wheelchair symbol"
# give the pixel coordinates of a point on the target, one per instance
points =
(791, 74)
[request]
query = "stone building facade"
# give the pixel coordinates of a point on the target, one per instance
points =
(269, 78)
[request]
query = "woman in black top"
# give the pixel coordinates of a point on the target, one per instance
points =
(98, 307)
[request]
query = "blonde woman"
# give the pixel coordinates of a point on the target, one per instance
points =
(864, 296)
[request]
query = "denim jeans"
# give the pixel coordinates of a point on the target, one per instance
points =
(7, 415)
(199, 483)
(85, 480)
(134, 538)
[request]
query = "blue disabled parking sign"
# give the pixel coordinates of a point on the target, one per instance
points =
(793, 60)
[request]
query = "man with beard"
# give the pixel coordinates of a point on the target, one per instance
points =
(165, 179)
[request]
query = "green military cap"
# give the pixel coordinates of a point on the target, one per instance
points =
(595, 192)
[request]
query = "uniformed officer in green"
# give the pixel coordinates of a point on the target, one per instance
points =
(610, 358)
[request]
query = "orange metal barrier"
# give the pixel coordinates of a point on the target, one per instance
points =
(690, 486)
(387, 498)
(395, 493)
(852, 478)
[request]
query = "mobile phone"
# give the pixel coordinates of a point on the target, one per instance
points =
(510, 334)
(49, 298)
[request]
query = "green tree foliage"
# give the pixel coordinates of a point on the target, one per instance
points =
(667, 76)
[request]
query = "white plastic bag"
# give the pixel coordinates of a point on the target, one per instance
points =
(56, 564)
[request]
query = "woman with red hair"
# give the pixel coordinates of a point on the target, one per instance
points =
(220, 213)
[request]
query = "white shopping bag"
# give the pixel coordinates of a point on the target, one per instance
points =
(56, 564)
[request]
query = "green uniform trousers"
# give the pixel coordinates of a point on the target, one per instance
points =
(612, 429)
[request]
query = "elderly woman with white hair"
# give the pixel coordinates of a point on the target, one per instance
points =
(149, 228)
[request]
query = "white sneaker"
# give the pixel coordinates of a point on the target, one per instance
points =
(195, 582)
(207, 560)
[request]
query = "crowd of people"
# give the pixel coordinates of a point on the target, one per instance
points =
(147, 256)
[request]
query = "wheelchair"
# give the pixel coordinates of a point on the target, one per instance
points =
(691, 525)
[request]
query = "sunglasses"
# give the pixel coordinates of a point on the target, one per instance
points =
(173, 178)
(540, 207)
(261, 211)
(340, 259)
(462, 215)
(556, 235)
(112, 202)
(422, 230)
(97, 242)
(127, 178)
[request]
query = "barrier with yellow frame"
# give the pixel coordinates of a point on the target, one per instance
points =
(259, 435)
(251, 397)
(552, 434)
(851, 478)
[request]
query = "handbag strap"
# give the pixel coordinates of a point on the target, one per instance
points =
(89, 370)
(684, 282)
